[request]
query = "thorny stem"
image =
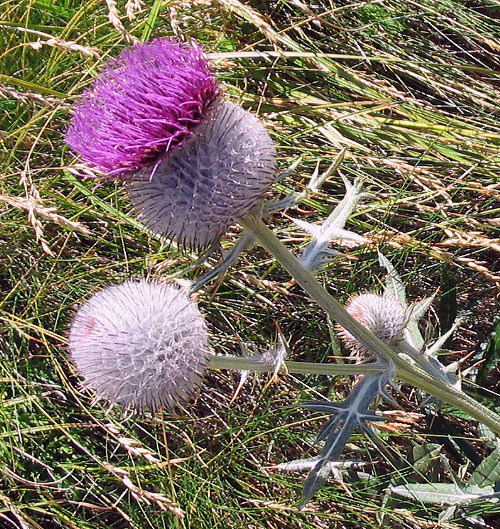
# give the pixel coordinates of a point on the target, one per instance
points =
(306, 368)
(404, 369)
(422, 360)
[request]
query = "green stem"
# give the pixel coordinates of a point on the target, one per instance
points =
(421, 360)
(306, 368)
(404, 369)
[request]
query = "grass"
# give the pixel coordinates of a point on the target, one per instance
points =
(408, 89)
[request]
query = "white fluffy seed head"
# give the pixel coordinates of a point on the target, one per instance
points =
(143, 345)
(204, 186)
(383, 315)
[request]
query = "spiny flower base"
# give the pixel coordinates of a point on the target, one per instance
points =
(383, 315)
(213, 179)
(143, 345)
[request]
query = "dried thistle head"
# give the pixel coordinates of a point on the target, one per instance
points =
(383, 315)
(142, 104)
(214, 179)
(143, 345)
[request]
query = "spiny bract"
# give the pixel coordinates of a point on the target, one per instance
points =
(212, 180)
(143, 345)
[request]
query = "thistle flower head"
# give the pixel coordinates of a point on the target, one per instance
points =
(161, 95)
(214, 179)
(143, 103)
(140, 344)
(383, 315)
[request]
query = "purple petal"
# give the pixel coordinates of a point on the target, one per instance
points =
(143, 103)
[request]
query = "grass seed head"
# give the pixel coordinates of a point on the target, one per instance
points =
(143, 345)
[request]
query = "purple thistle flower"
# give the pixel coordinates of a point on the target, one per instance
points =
(140, 344)
(143, 103)
(214, 179)
(158, 96)
(383, 315)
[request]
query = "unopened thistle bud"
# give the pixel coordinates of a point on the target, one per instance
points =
(143, 345)
(194, 162)
(383, 315)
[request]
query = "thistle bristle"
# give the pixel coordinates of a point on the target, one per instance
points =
(383, 315)
(143, 345)
(215, 178)
(142, 104)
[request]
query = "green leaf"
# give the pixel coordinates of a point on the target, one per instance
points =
(417, 310)
(426, 461)
(487, 435)
(448, 514)
(151, 21)
(489, 353)
(32, 87)
(442, 493)
(488, 471)
(393, 284)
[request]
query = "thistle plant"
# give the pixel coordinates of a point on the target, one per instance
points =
(195, 164)
(144, 345)
(407, 370)
(386, 318)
